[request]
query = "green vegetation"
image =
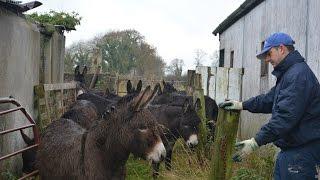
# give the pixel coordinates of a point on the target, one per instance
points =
(69, 20)
(258, 166)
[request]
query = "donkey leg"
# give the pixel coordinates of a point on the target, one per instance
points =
(155, 168)
(169, 155)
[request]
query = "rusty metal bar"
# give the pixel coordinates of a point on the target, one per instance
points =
(15, 129)
(33, 173)
(11, 110)
(33, 125)
(17, 152)
(23, 110)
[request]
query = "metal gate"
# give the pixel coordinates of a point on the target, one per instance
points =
(32, 124)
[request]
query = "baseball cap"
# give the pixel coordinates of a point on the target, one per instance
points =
(275, 40)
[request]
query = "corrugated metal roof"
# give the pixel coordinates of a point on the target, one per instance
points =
(244, 8)
(16, 6)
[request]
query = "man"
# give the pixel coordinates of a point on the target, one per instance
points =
(295, 106)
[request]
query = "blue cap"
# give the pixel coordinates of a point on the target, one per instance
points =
(275, 40)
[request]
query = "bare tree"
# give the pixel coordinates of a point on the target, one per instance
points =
(175, 67)
(214, 57)
(199, 57)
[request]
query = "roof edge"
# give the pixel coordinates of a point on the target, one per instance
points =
(242, 10)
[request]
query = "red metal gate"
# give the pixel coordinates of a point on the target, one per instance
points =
(32, 124)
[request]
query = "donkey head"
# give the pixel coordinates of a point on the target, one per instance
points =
(79, 77)
(138, 129)
(168, 87)
(189, 124)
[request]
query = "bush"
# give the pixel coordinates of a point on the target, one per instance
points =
(68, 20)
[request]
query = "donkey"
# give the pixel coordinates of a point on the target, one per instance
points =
(82, 112)
(69, 151)
(29, 156)
(130, 90)
(80, 77)
(171, 96)
(102, 104)
(178, 122)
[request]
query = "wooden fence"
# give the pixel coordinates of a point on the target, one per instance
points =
(221, 83)
(52, 100)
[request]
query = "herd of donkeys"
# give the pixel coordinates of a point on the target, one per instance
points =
(94, 138)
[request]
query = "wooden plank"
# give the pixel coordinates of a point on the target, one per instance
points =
(235, 83)
(59, 86)
(212, 83)
(205, 72)
(222, 82)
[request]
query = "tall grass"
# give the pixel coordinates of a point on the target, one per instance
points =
(185, 165)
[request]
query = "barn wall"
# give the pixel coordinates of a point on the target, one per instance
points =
(297, 18)
(19, 67)
(22, 57)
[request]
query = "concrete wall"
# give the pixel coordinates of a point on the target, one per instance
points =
(299, 18)
(21, 52)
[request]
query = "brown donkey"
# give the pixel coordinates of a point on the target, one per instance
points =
(68, 151)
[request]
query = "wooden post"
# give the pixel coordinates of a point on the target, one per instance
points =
(203, 132)
(190, 85)
(94, 78)
(225, 137)
(38, 102)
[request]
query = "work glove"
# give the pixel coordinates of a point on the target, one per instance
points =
(231, 105)
(244, 148)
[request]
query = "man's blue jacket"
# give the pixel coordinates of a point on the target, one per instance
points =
(294, 103)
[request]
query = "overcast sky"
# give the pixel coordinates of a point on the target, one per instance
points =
(175, 27)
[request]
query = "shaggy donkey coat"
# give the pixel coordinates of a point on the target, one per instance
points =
(68, 151)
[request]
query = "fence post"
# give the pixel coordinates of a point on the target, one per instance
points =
(38, 101)
(225, 137)
(190, 84)
(203, 132)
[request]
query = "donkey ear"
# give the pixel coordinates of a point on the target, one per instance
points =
(197, 105)
(84, 71)
(185, 106)
(163, 83)
(129, 87)
(139, 86)
(144, 98)
(26, 139)
(107, 91)
(77, 70)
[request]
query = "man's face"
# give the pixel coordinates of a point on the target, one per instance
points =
(275, 55)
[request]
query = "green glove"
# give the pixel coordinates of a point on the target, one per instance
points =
(245, 148)
(231, 105)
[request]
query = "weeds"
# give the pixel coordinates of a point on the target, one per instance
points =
(7, 175)
(185, 165)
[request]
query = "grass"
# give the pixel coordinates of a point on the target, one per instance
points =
(185, 165)
(257, 166)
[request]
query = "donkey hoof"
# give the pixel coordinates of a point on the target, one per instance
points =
(155, 175)
(168, 167)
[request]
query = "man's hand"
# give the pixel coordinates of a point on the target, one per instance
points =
(244, 148)
(231, 105)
